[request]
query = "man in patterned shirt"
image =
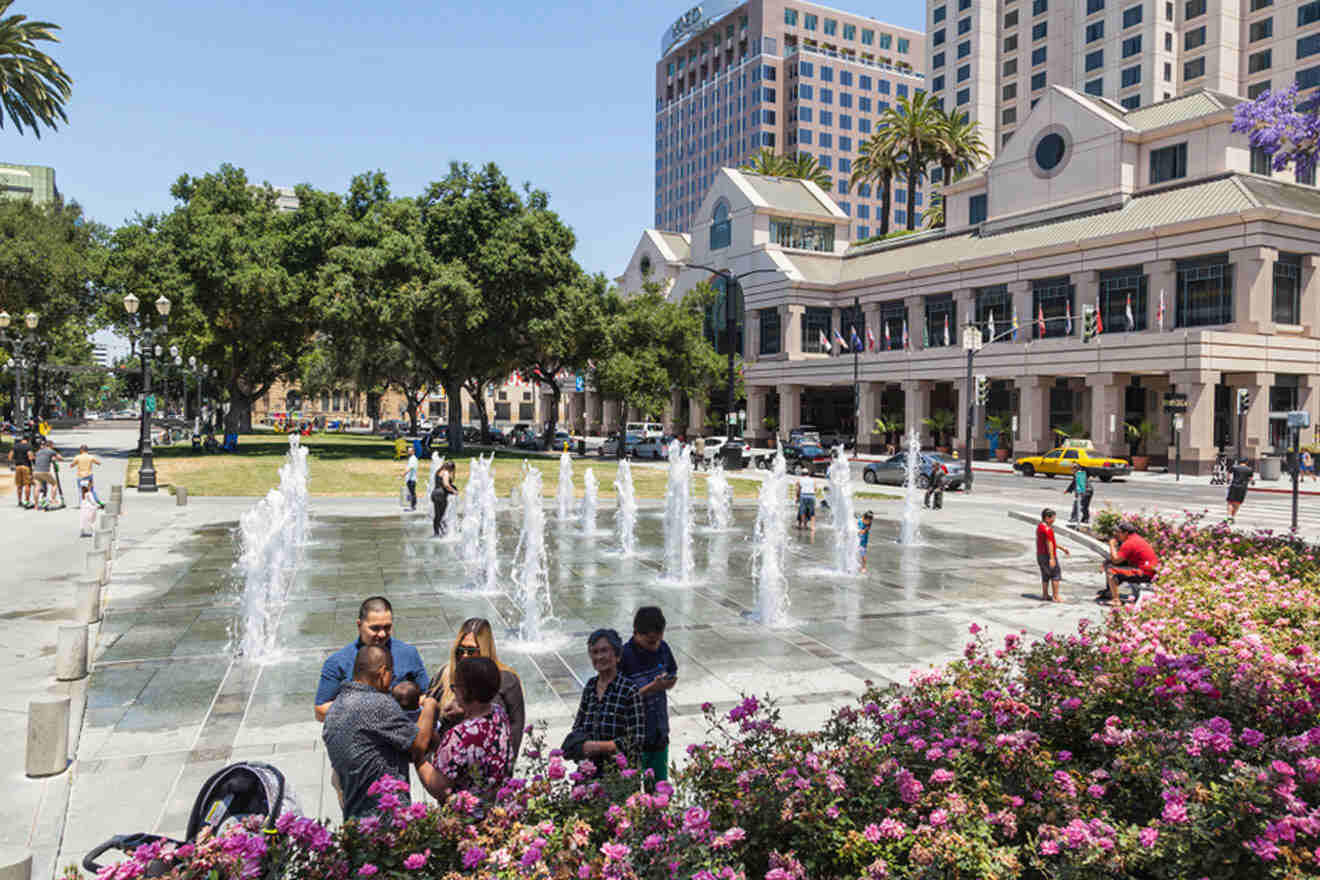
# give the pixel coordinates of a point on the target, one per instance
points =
(611, 715)
(366, 734)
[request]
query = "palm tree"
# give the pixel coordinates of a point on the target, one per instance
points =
(804, 166)
(911, 132)
(958, 149)
(877, 165)
(766, 163)
(933, 216)
(33, 88)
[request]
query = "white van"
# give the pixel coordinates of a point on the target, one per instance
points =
(647, 430)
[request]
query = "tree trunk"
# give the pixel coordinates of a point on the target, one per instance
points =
(414, 399)
(373, 410)
(946, 179)
(553, 422)
(887, 205)
(454, 391)
(239, 418)
(913, 172)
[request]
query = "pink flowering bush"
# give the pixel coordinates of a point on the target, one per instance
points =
(1177, 739)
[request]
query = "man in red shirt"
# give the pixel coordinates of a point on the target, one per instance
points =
(1047, 556)
(1131, 562)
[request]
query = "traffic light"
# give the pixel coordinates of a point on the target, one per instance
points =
(982, 390)
(1090, 323)
(1244, 401)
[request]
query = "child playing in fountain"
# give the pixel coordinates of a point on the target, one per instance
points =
(409, 697)
(864, 537)
(648, 664)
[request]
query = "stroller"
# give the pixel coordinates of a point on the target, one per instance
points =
(234, 793)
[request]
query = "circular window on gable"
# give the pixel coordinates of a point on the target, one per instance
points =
(1050, 151)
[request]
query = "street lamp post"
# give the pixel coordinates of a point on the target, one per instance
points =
(971, 344)
(731, 283)
(23, 344)
(147, 472)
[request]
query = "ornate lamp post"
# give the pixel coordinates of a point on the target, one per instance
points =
(146, 473)
(23, 344)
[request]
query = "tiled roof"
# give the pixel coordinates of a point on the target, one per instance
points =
(787, 194)
(1180, 109)
(677, 242)
(1212, 198)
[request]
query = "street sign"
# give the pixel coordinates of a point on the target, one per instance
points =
(1175, 402)
(1299, 418)
(149, 403)
(1177, 423)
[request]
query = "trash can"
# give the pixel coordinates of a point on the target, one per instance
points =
(1271, 467)
(732, 455)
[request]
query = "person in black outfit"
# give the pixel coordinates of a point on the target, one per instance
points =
(444, 487)
(1239, 477)
(935, 486)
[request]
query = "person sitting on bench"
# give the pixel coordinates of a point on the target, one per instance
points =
(1132, 562)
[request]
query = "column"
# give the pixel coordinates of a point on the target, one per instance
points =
(1198, 433)
(609, 416)
(871, 312)
(916, 318)
(867, 439)
(590, 401)
(1107, 391)
(1086, 290)
(1310, 297)
(1253, 289)
(1033, 436)
(790, 318)
(916, 406)
(696, 425)
(964, 306)
(1156, 386)
(1257, 434)
(790, 408)
(751, 335)
(672, 409)
(1021, 293)
(835, 317)
(756, 414)
(962, 394)
(1163, 277)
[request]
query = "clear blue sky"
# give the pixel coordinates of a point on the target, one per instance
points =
(559, 94)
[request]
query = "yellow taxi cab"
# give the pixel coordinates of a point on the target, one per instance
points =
(1066, 458)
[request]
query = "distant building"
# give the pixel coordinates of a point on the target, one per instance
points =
(285, 198)
(35, 182)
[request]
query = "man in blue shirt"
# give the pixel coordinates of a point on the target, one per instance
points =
(375, 625)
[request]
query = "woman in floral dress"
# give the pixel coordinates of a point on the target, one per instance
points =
(473, 755)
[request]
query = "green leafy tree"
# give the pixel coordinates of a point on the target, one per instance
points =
(910, 133)
(802, 166)
(33, 86)
(958, 149)
(766, 163)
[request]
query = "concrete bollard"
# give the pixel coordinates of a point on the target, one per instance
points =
(71, 653)
(103, 542)
(48, 736)
(117, 490)
(107, 522)
(181, 496)
(15, 864)
(113, 506)
(87, 600)
(95, 560)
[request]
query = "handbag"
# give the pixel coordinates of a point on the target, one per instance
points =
(572, 747)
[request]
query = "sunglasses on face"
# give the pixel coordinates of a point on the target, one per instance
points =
(467, 651)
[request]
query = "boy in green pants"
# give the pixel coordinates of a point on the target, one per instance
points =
(648, 664)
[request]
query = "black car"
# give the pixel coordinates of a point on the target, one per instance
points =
(806, 458)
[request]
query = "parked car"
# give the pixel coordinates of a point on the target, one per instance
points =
(715, 446)
(806, 458)
(651, 447)
(804, 434)
(561, 440)
(1064, 460)
(893, 470)
(392, 428)
(610, 448)
(648, 430)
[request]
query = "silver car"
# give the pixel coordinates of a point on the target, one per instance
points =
(893, 470)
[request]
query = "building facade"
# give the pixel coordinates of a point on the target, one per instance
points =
(1202, 272)
(994, 59)
(34, 182)
(737, 77)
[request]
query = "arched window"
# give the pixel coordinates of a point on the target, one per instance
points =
(719, 226)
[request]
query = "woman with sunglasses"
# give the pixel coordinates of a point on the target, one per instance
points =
(475, 639)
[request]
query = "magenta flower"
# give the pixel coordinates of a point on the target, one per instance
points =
(615, 852)
(473, 856)
(416, 860)
(368, 870)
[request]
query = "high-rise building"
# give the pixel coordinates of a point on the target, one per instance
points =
(993, 59)
(737, 77)
(35, 182)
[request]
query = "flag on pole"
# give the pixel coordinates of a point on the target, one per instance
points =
(838, 337)
(1099, 321)
(870, 340)
(946, 331)
(885, 324)
(857, 340)
(1067, 327)
(905, 335)
(1132, 323)
(1159, 315)
(991, 326)
(824, 342)
(1040, 320)
(1015, 324)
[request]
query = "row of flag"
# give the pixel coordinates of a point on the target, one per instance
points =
(855, 343)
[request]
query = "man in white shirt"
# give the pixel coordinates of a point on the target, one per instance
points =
(806, 495)
(410, 477)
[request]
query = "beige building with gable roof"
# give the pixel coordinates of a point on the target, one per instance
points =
(1203, 275)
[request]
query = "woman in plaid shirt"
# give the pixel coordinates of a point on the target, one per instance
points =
(610, 715)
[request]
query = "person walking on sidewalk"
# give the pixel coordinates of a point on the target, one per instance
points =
(1239, 478)
(83, 462)
(42, 472)
(935, 486)
(410, 480)
(1082, 488)
(20, 456)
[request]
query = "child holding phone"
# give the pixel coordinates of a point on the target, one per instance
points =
(649, 665)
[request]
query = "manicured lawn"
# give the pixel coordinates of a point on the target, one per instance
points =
(355, 465)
